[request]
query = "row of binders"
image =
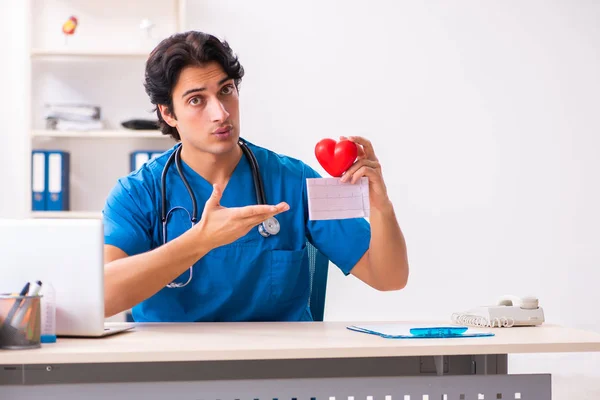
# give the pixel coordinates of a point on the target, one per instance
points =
(50, 171)
(50, 180)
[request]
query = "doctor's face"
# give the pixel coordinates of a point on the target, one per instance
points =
(206, 109)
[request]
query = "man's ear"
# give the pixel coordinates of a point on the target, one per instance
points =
(167, 115)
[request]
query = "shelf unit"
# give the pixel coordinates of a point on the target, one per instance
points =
(101, 64)
(67, 214)
(118, 133)
(49, 53)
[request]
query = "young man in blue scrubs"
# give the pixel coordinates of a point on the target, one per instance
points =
(238, 275)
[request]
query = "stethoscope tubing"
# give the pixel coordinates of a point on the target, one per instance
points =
(266, 229)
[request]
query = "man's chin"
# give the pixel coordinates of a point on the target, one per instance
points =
(214, 145)
(223, 145)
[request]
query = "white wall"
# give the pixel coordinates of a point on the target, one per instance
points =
(483, 115)
(14, 114)
(485, 118)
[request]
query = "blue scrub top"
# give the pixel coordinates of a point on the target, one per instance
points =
(251, 279)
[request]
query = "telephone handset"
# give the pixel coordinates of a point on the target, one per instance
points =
(509, 311)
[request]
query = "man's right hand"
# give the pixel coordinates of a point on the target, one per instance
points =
(220, 226)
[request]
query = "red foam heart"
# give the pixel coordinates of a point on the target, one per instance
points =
(336, 157)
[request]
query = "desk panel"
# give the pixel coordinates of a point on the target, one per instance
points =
(37, 374)
(477, 387)
(294, 340)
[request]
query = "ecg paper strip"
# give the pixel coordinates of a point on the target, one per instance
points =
(328, 198)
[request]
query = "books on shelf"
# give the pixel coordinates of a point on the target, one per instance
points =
(64, 125)
(73, 117)
(72, 112)
(50, 182)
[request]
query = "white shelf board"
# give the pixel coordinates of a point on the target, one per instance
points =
(43, 53)
(67, 214)
(118, 133)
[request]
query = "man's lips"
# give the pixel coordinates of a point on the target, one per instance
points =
(223, 130)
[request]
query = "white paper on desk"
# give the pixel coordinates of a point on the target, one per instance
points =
(328, 198)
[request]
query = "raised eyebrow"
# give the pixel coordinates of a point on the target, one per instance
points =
(222, 81)
(192, 91)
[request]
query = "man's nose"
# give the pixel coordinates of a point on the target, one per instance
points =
(217, 111)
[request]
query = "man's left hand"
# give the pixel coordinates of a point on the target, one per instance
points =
(368, 165)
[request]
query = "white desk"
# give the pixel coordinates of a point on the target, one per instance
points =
(269, 361)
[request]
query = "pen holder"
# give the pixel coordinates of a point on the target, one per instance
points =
(20, 322)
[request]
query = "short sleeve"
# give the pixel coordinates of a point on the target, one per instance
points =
(343, 241)
(126, 225)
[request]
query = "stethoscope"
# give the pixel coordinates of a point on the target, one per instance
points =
(266, 228)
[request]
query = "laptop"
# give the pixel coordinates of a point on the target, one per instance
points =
(69, 255)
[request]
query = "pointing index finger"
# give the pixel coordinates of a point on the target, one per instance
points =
(262, 210)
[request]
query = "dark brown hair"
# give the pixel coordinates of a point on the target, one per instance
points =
(177, 52)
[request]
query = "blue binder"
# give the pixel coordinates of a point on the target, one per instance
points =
(155, 154)
(58, 166)
(138, 158)
(39, 177)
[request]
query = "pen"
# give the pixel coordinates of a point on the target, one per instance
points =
(34, 291)
(15, 306)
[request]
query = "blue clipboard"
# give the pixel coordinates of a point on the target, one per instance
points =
(401, 331)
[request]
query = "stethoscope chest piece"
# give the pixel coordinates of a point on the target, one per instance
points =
(269, 227)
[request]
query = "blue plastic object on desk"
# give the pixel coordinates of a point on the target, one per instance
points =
(47, 338)
(404, 331)
(439, 331)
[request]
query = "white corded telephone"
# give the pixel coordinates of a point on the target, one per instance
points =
(508, 311)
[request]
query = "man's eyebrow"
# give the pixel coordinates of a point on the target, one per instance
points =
(222, 81)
